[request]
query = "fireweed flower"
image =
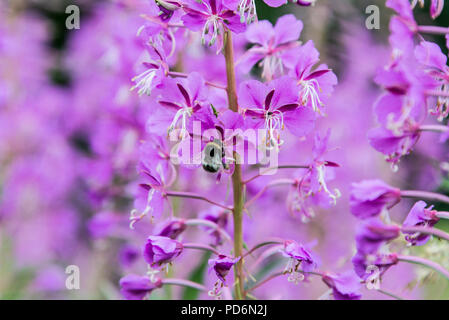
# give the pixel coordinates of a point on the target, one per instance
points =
(155, 71)
(182, 102)
(274, 106)
(371, 238)
(212, 17)
(272, 46)
(370, 197)
(219, 217)
(311, 189)
(344, 286)
(435, 63)
(160, 251)
(221, 265)
(403, 27)
(173, 229)
(150, 195)
(419, 215)
(315, 84)
(299, 257)
(400, 118)
(134, 287)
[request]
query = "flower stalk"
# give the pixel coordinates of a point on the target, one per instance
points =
(431, 196)
(426, 263)
(237, 181)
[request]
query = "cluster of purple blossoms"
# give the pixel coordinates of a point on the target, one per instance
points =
(204, 123)
(415, 82)
(191, 146)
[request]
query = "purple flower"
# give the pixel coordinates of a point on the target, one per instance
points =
(315, 84)
(370, 240)
(213, 18)
(182, 102)
(275, 105)
(150, 196)
(373, 234)
(419, 215)
(435, 64)
(365, 264)
(403, 26)
(311, 189)
(344, 286)
(298, 256)
(173, 229)
(272, 45)
(222, 265)
(220, 217)
(159, 251)
(370, 197)
(134, 287)
(154, 72)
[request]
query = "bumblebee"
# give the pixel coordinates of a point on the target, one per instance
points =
(213, 157)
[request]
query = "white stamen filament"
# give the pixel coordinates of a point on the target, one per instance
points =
(442, 107)
(152, 274)
(292, 268)
(135, 217)
(323, 186)
(181, 115)
(213, 19)
(249, 7)
(144, 81)
(274, 122)
(216, 291)
(270, 65)
(309, 92)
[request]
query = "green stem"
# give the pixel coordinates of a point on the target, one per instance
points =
(237, 182)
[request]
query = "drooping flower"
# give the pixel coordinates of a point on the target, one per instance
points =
(344, 286)
(370, 197)
(400, 118)
(173, 228)
(213, 18)
(370, 239)
(299, 257)
(221, 265)
(274, 106)
(219, 217)
(311, 190)
(272, 46)
(421, 216)
(371, 266)
(134, 287)
(373, 233)
(150, 196)
(159, 251)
